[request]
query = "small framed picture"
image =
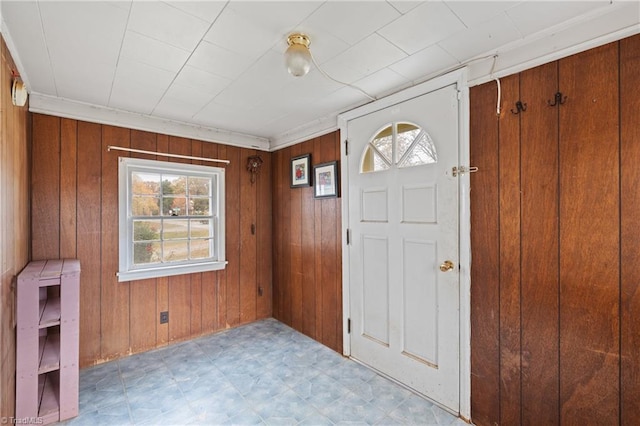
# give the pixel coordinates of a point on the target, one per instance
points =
(301, 171)
(326, 180)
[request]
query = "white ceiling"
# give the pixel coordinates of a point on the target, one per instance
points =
(215, 70)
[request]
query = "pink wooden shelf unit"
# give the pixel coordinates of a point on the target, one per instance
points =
(48, 315)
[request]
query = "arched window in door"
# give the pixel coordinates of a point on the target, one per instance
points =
(399, 144)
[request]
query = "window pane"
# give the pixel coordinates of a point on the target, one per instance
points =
(201, 228)
(145, 183)
(423, 152)
(383, 141)
(145, 253)
(174, 206)
(406, 135)
(200, 206)
(146, 230)
(175, 251)
(145, 205)
(201, 249)
(199, 186)
(175, 229)
(372, 161)
(172, 184)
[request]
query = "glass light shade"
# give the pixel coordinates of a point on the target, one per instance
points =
(298, 60)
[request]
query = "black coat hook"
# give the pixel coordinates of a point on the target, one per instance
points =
(520, 107)
(558, 99)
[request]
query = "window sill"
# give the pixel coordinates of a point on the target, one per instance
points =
(167, 271)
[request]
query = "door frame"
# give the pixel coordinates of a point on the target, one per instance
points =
(459, 78)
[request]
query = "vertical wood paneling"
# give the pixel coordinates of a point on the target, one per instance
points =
(283, 230)
(222, 275)
(68, 188)
(232, 176)
(248, 256)
(630, 234)
(15, 223)
(485, 281)
(122, 318)
(89, 228)
(114, 320)
(45, 187)
(509, 190)
(589, 237)
(539, 243)
(264, 238)
(295, 243)
(307, 248)
(278, 195)
(319, 157)
(578, 362)
(309, 290)
(142, 293)
(329, 248)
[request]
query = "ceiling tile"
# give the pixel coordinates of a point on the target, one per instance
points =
(531, 17)
(201, 80)
(181, 102)
(338, 18)
(222, 117)
(153, 52)
(422, 27)
(403, 6)
(266, 76)
(23, 22)
(101, 39)
(206, 10)
(370, 55)
(166, 23)
(275, 16)
(481, 38)
(472, 12)
(424, 63)
(382, 83)
(92, 86)
(138, 87)
(235, 32)
(219, 61)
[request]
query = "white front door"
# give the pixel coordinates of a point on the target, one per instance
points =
(404, 224)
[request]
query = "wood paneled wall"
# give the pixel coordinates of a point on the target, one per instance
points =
(555, 242)
(307, 271)
(75, 215)
(14, 223)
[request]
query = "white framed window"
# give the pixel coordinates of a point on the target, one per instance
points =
(171, 218)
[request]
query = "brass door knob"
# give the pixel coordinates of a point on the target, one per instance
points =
(446, 266)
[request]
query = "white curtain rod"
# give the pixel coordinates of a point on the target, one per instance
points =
(164, 154)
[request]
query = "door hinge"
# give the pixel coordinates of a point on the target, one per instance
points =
(346, 147)
(348, 325)
(459, 94)
(455, 171)
(348, 236)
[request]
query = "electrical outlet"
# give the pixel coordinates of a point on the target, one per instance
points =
(164, 317)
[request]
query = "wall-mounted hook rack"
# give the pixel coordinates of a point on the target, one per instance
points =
(558, 99)
(520, 107)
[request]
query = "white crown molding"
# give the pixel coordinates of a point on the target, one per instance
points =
(307, 131)
(44, 104)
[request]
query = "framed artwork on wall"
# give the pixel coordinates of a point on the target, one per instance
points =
(301, 171)
(325, 177)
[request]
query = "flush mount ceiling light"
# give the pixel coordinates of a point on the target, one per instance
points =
(297, 57)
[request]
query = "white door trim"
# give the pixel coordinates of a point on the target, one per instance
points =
(458, 77)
